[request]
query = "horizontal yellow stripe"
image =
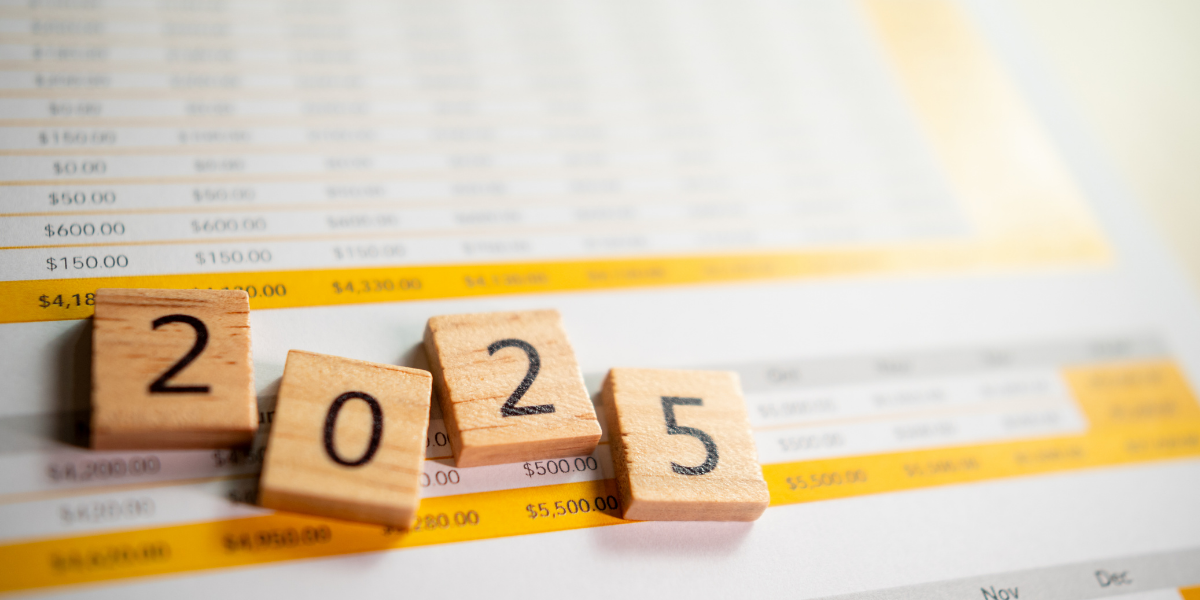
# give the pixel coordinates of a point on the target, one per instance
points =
(286, 536)
(1137, 411)
(53, 300)
(860, 475)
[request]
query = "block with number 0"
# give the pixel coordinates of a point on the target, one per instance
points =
(172, 369)
(347, 440)
(510, 387)
(682, 446)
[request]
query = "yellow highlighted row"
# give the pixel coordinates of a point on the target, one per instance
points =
(62, 299)
(856, 476)
(1137, 411)
(285, 536)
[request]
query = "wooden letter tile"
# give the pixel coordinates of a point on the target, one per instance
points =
(347, 440)
(171, 369)
(510, 387)
(682, 446)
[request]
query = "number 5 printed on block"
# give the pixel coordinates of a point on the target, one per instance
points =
(710, 462)
(725, 485)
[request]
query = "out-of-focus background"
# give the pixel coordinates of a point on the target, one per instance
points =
(1132, 67)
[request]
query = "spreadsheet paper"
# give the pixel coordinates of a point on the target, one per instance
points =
(968, 363)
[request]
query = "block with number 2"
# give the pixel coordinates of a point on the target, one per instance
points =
(171, 369)
(510, 387)
(682, 446)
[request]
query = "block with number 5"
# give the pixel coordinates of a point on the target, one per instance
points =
(347, 440)
(510, 388)
(682, 446)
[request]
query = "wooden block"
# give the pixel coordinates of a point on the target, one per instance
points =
(172, 369)
(682, 446)
(510, 387)
(347, 440)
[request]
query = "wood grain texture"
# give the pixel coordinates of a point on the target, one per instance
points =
(474, 384)
(129, 354)
(725, 485)
(302, 473)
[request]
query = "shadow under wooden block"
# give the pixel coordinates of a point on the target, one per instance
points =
(510, 388)
(347, 440)
(682, 446)
(172, 369)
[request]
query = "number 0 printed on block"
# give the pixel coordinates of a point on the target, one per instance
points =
(347, 440)
(682, 446)
(510, 388)
(171, 369)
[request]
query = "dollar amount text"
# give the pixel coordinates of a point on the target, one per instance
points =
(78, 263)
(562, 465)
(564, 508)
